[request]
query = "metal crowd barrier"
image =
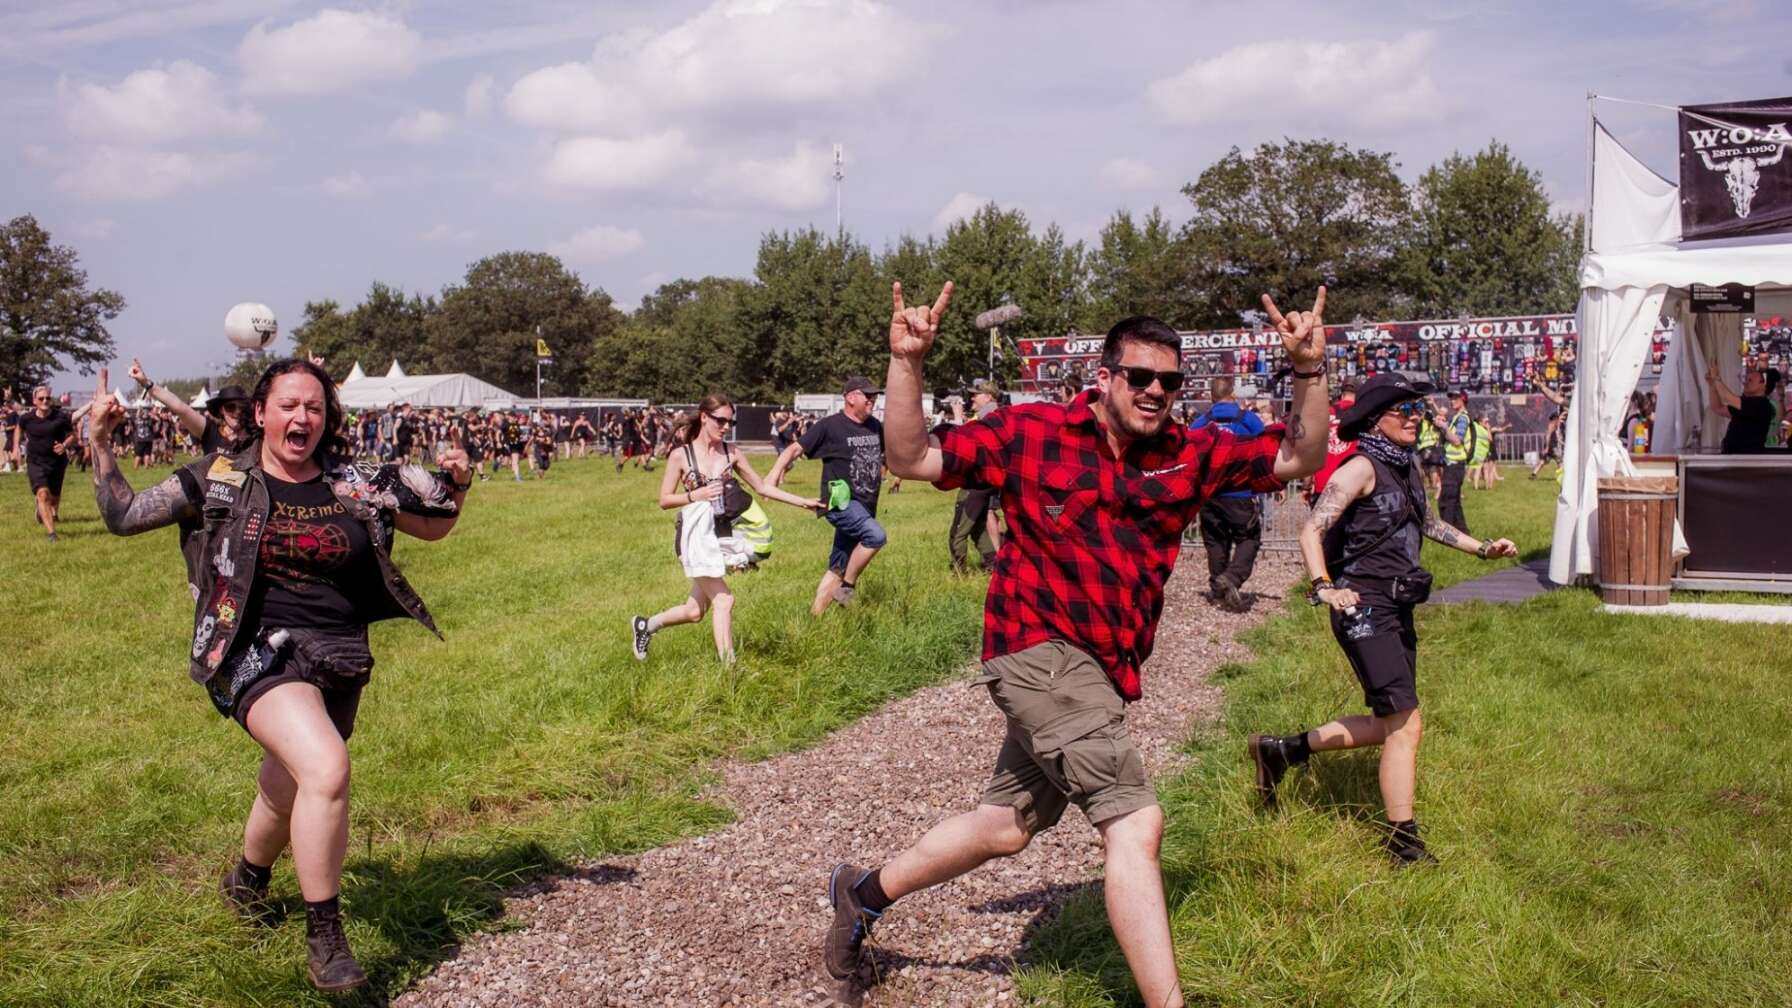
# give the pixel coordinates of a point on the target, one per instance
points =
(1282, 519)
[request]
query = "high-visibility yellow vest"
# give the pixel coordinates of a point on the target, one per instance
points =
(1483, 443)
(1427, 436)
(1454, 453)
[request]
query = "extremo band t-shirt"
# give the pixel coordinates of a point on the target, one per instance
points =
(849, 451)
(315, 562)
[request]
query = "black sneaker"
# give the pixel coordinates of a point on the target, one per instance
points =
(249, 901)
(845, 940)
(643, 637)
(1270, 754)
(328, 959)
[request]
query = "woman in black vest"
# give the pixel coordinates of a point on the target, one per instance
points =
(288, 547)
(1366, 530)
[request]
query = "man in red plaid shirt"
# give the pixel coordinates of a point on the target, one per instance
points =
(1097, 492)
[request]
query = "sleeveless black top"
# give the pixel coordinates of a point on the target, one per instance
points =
(1359, 544)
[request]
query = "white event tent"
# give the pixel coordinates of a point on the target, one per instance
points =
(1634, 272)
(459, 391)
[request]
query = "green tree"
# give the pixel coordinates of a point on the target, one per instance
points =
(683, 341)
(386, 326)
(49, 319)
(992, 259)
(818, 313)
(1139, 270)
(488, 324)
(1484, 242)
(1287, 218)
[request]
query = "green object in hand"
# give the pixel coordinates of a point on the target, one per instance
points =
(839, 495)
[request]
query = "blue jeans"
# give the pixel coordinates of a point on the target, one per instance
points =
(853, 526)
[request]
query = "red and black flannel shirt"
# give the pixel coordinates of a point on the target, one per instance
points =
(1091, 538)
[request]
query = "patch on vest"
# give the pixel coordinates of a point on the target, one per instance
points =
(221, 472)
(1055, 510)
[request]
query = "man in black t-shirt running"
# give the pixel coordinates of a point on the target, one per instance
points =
(850, 444)
(44, 435)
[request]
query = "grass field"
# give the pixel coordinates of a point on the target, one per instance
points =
(529, 739)
(1610, 797)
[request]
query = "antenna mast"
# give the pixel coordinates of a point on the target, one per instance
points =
(839, 177)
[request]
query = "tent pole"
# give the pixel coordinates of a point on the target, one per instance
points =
(1592, 125)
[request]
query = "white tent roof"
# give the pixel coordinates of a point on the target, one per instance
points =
(395, 371)
(200, 398)
(457, 390)
(355, 373)
(1634, 273)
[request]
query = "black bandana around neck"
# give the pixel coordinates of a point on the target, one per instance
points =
(1378, 447)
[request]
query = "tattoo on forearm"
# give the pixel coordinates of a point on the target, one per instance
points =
(127, 512)
(1297, 428)
(1329, 508)
(1440, 531)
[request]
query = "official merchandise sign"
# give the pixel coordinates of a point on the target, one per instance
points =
(1735, 177)
(1489, 354)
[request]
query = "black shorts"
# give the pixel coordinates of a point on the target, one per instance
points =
(1386, 660)
(248, 675)
(46, 475)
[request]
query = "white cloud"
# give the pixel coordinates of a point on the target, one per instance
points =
(421, 126)
(448, 233)
(350, 185)
(736, 56)
(958, 208)
(797, 182)
(1376, 84)
(333, 51)
(162, 103)
(600, 164)
(1128, 173)
(599, 242)
(118, 173)
(572, 97)
(479, 95)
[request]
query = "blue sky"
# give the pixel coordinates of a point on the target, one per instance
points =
(203, 152)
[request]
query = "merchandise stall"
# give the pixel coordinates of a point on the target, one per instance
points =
(1638, 270)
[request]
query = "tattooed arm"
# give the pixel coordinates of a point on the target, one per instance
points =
(125, 511)
(1444, 534)
(1351, 481)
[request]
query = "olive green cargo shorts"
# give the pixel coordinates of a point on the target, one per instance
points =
(1067, 739)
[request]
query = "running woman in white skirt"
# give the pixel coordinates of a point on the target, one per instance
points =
(700, 482)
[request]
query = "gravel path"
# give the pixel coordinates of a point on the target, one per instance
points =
(736, 917)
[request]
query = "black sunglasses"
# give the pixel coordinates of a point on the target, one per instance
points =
(720, 420)
(1410, 408)
(1141, 378)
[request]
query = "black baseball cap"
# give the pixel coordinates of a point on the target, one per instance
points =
(859, 383)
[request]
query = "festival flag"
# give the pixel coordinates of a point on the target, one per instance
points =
(1735, 178)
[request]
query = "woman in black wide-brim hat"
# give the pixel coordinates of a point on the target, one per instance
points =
(1365, 532)
(224, 426)
(288, 549)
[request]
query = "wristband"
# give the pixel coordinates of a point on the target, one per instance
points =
(1318, 585)
(1298, 373)
(1482, 550)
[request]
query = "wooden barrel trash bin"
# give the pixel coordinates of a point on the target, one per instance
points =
(1636, 539)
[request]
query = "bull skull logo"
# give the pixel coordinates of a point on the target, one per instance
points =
(1741, 152)
(1742, 177)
